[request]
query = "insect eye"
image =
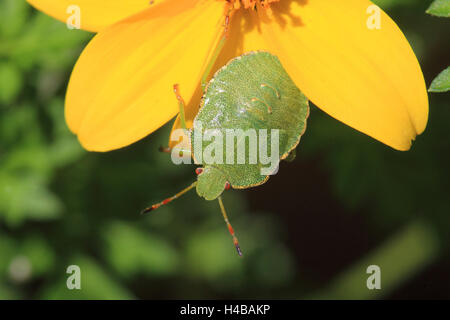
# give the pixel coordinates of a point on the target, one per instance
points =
(198, 171)
(227, 185)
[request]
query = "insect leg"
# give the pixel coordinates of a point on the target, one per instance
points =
(181, 104)
(183, 152)
(219, 47)
(230, 228)
(179, 194)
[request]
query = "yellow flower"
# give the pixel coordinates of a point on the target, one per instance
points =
(121, 87)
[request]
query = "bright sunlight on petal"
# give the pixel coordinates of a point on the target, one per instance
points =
(121, 88)
(364, 76)
(95, 15)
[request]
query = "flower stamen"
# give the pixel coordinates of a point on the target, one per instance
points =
(251, 4)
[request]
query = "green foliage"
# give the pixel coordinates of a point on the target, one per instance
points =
(10, 82)
(403, 255)
(95, 284)
(388, 4)
(442, 82)
(138, 252)
(440, 8)
(13, 17)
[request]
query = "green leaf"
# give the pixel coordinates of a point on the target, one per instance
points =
(442, 82)
(131, 251)
(47, 43)
(96, 283)
(440, 8)
(400, 258)
(11, 82)
(13, 17)
(19, 127)
(7, 293)
(211, 256)
(39, 253)
(8, 247)
(27, 197)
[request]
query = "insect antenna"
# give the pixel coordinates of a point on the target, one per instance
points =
(230, 228)
(166, 201)
(219, 47)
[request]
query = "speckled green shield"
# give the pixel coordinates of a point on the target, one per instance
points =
(252, 92)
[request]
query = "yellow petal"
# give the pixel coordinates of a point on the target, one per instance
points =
(95, 15)
(121, 88)
(367, 78)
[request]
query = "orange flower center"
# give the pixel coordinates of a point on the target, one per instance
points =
(252, 3)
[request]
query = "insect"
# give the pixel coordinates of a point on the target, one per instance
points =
(252, 91)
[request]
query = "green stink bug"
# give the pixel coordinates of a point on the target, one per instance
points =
(251, 92)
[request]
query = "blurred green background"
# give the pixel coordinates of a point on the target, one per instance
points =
(345, 203)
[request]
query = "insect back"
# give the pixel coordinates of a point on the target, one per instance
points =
(252, 116)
